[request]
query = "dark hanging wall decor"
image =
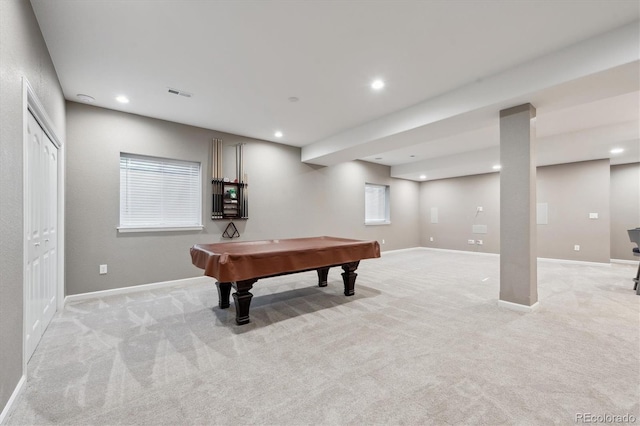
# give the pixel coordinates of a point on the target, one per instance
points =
(230, 231)
(230, 198)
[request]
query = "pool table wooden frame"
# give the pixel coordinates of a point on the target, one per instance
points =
(241, 264)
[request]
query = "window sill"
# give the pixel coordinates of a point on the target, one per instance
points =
(125, 230)
(387, 222)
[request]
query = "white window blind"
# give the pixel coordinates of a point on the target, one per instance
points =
(376, 204)
(159, 193)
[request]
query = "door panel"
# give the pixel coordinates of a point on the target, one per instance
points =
(50, 232)
(40, 233)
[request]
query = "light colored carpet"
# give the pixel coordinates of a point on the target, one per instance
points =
(422, 342)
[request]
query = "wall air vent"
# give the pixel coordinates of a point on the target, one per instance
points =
(179, 92)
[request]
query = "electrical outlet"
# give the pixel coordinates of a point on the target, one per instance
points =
(471, 241)
(431, 239)
(479, 242)
(103, 269)
(593, 215)
(480, 209)
(383, 241)
(576, 247)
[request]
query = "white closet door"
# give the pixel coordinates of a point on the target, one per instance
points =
(41, 237)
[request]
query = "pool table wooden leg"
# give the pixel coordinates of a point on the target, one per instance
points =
(224, 290)
(349, 277)
(323, 273)
(243, 300)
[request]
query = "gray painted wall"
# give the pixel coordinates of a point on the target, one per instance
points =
(572, 191)
(22, 53)
(286, 198)
(625, 208)
(457, 201)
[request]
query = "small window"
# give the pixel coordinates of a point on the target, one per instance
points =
(376, 204)
(158, 194)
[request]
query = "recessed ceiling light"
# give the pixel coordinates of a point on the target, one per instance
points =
(497, 167)
(122, 99)
(294, 99)
(617, 150)
(85, 98)
(377, 84)
(278, 134)
(423, 176)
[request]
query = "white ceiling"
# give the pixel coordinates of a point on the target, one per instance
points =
(449, 67)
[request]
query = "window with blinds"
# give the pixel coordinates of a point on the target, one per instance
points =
(159, 194)
(376, 204)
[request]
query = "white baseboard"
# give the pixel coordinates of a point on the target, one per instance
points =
(543, 259)
(137, 288)
(573, 262)
(460, 251)
(518, 307)
(625, 262)
(400, 250)
(16, 392)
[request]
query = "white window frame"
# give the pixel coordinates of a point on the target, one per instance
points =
(383, 214)
(164, 198)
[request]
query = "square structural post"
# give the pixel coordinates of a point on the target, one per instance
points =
(518, 258)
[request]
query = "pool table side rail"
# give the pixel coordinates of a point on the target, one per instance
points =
(243, 264)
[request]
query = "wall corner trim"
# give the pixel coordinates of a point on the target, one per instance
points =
(518, 307)
(137, 288)
(16, 393)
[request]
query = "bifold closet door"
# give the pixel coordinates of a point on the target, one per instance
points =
(41, 236)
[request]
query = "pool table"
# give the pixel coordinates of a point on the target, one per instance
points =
(240, 264)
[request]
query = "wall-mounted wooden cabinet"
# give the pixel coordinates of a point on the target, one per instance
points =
(229, 200)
